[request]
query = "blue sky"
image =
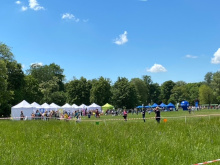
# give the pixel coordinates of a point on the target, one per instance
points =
(165, 39)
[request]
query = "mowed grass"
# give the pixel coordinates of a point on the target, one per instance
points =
(113, 142)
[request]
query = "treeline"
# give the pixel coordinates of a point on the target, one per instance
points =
(46, 83)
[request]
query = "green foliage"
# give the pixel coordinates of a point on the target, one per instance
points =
(101, 91)
(141, 89)
(78, 91)
(124, 94)
(5, 53)
(166, 89)
(205, 94)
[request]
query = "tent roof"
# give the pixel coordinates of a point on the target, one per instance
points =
(82, 106)
(54, 105)
(75, 106)
(154, 105)
(107, 105)
(45, 105)
(66, 106)
(94, 105)
(23, 104)
(170, 105)
(36, 105)
(163, 105)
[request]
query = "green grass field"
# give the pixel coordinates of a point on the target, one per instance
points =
(178, 141)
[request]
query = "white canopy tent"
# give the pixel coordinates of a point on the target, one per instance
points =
(67, 107)
(75, 107)
(36, 106)
(46, 107)
(55, 106)
(94, 106)
(82, 107)
(22, 106)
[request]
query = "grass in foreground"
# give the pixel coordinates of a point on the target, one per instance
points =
(111, 142)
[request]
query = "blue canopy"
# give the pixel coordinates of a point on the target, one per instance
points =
(170, 105)
(139, 106)
(154, 105)
(162, 105)
(147, 106)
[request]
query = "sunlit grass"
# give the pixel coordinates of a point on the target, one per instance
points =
(112, 142)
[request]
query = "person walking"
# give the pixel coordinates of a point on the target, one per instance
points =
(143, 114)
(125, 115)
(157, 112)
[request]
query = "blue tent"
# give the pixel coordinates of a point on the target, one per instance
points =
(147, 106)
(162, 105)
(140, 106)
(170, 105)
(154, 105)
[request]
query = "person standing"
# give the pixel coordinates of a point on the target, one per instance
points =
(143, 114)
(157, 112)
(22, 116)
(125, 115)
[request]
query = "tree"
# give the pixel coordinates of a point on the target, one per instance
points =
(148, 82)
(44, 73)
(32, 90)
(141, 89)
(101, 91)
(208, 78)
(124, 94)
(5, 53)
(216, 83)
(78, 91)
(166, 89)
(205, 94)
(155, 92)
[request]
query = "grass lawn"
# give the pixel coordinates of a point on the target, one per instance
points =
(178, 141)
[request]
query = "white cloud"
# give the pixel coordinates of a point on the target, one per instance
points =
(190, 56)
(23, 66)
(122, 39)
(70, 17)
(216, 58)
(157, 68)
(33, 4)
(18, 2)
(143, 0)
(85, 20)
(36, 64)
(24, 8)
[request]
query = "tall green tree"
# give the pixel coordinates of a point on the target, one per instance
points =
(166, 90)
(101, 91)
(208, 78)
(124, 94)
(205, 94)
(142, 90)
(78, 91)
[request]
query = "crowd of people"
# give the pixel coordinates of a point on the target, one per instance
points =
(47, 115)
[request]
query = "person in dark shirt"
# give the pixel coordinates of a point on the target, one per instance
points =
(143, 114)
(157, 112)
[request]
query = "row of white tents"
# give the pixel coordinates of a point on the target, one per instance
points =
(28, 109)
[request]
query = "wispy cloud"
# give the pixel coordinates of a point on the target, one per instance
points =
(190, 56)
(24, 8)
(68, 16)
(85, 20)
(18, 2)
(33, 4)
(156, 68)
(122, 39)
(36, 64)
(216, 58)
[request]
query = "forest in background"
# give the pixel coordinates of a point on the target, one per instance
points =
(46, 83)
